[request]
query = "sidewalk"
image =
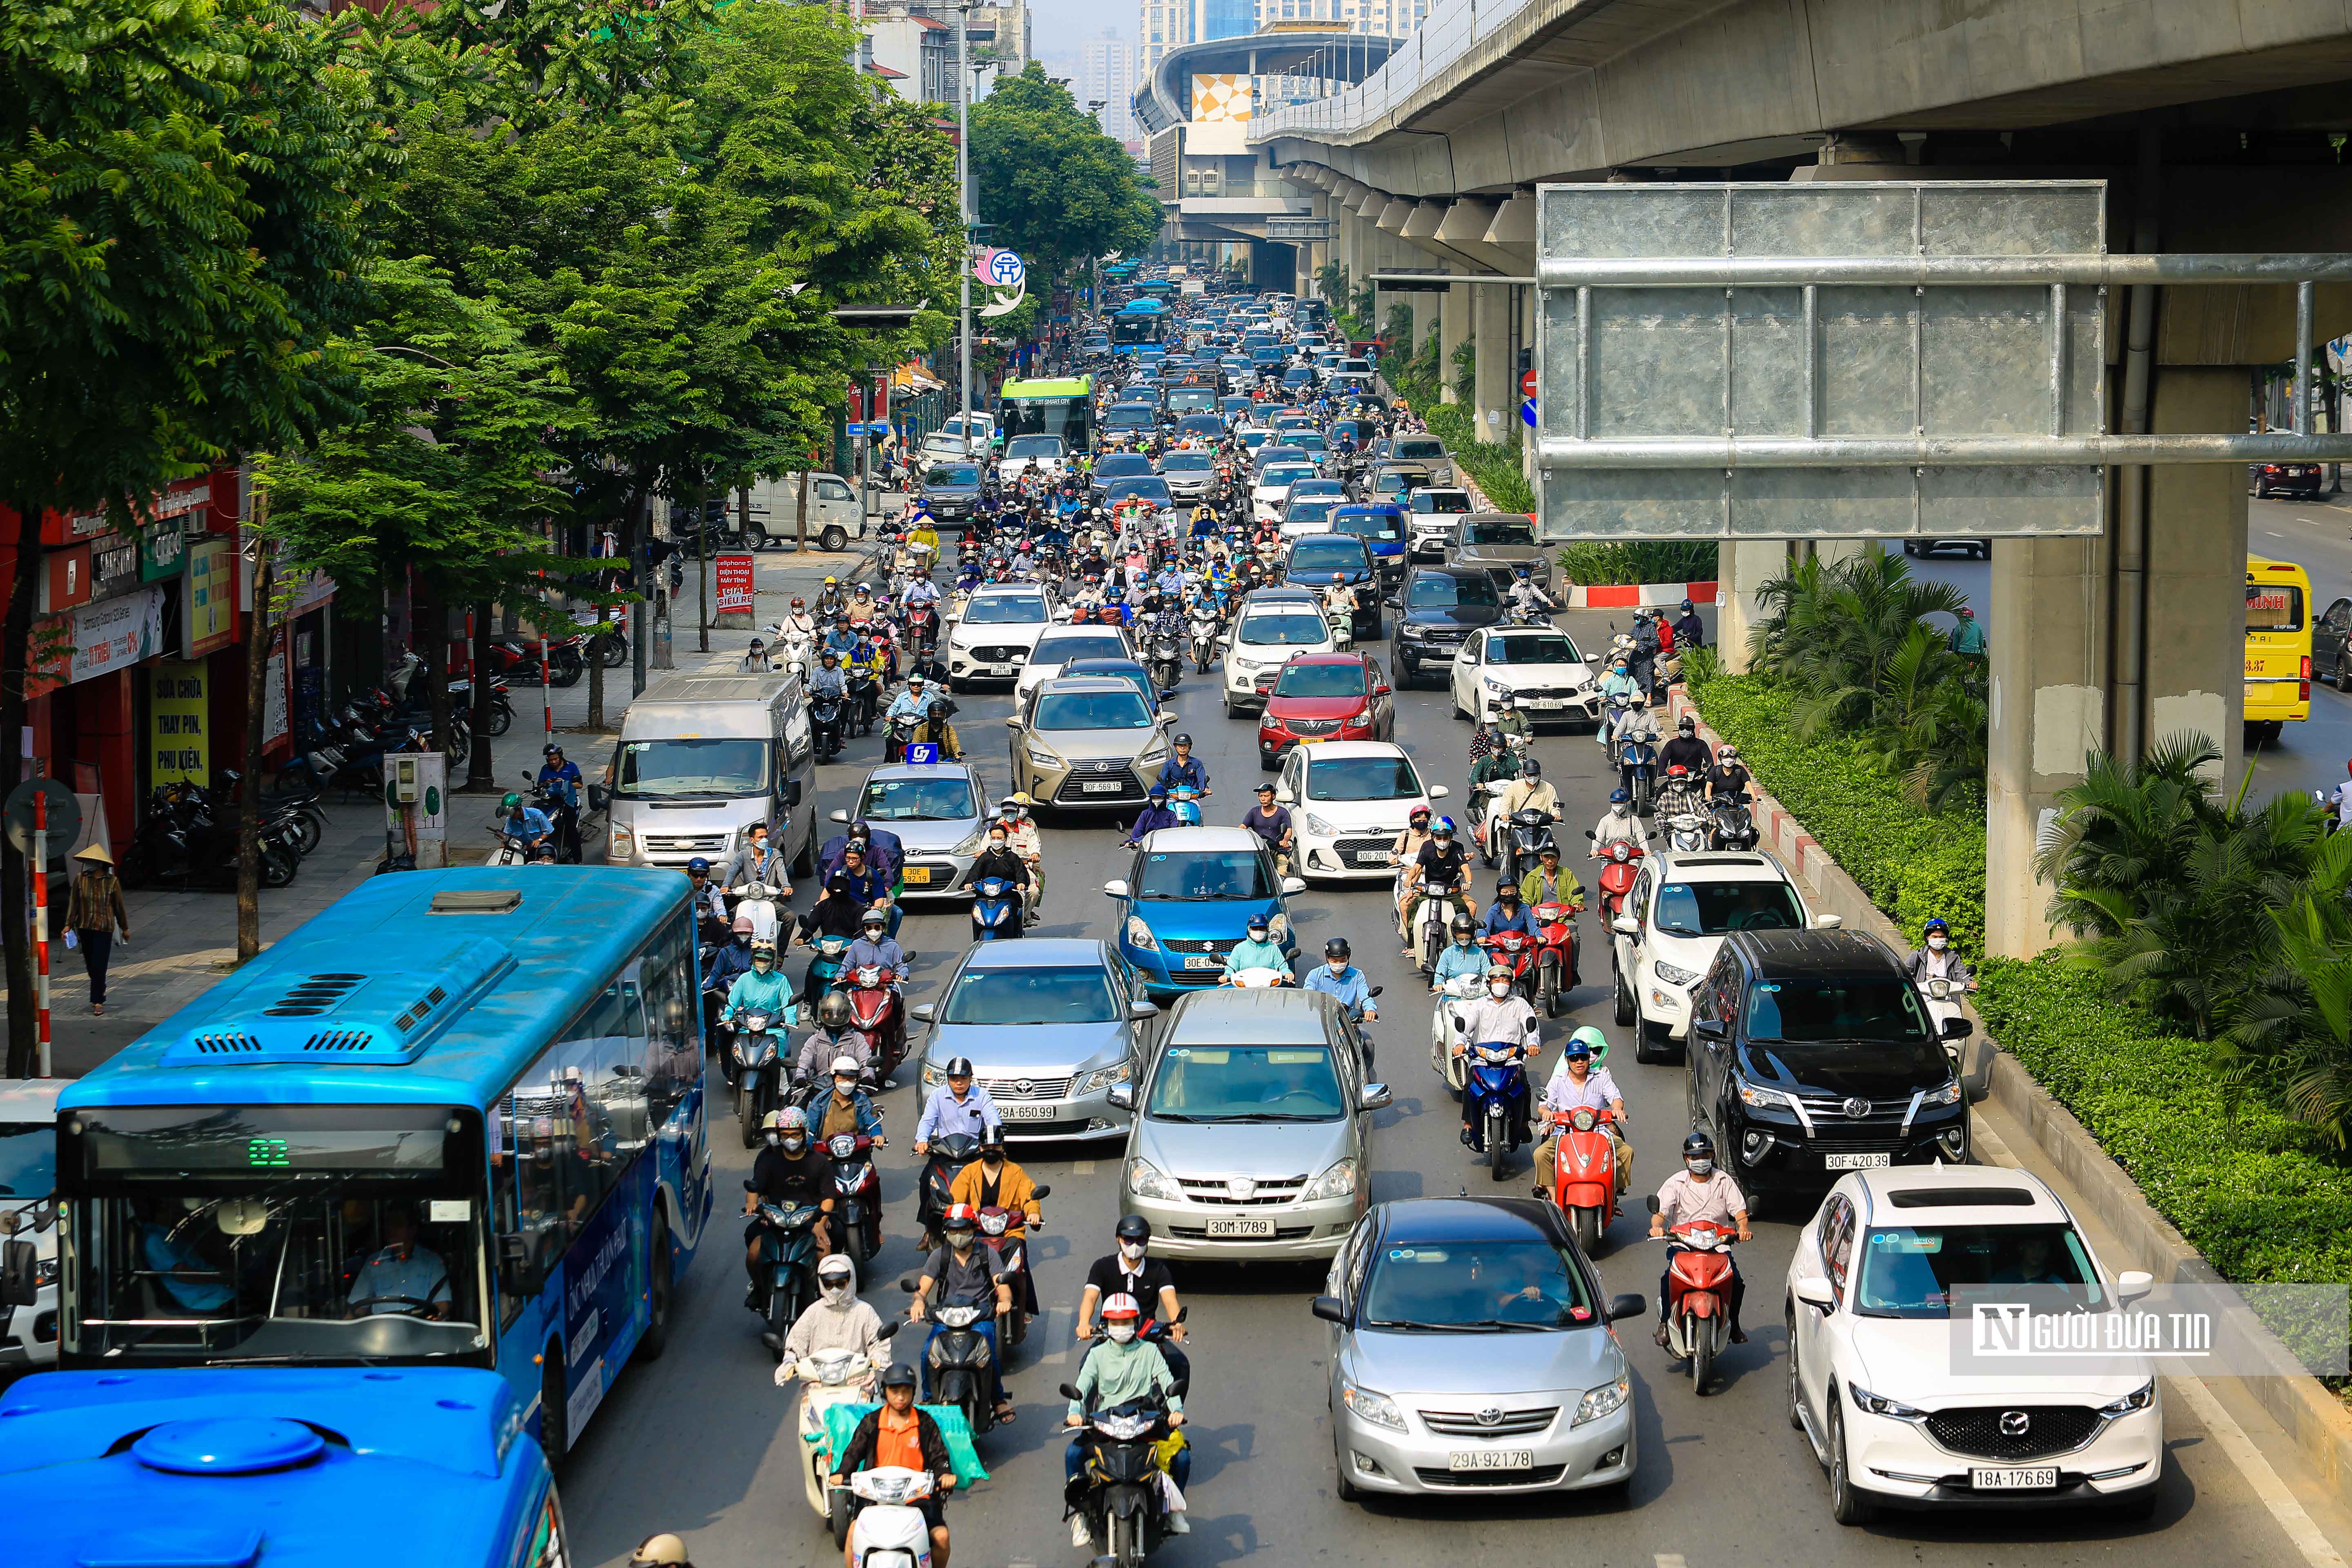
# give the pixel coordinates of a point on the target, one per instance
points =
(181, 943)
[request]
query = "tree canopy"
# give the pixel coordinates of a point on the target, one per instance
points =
(1057, 189)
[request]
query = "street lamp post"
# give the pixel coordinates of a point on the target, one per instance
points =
(963, 204)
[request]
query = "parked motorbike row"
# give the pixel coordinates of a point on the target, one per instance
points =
(188, 837)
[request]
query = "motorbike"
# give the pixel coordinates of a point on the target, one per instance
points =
(1439, 905)
(1679, 793)
(514, 849)
(856, 1196)
(1010, 1242)
(759, 901)
(960, 1358)
(1259, 979)
(562, 815)
(828, 1378)
(1619, 704)
(1698, 1294)
(1184, 801)
(1582, 1181)
(996, 909)
(1167, 661)
(1513, 951)
(181, 843)
(1555, 963)
(1687, 832)
(864, 702)
(875, 1012)
(1617, 874)
(1637, 770)
(787, 1266)
(1203, 627)
(824, 722)
(890, 1532)
(824, 969)
(1125, 1498)
(1733, 825)
(948, 1156)
(755, 1068)
(1448, 1041)
(1495, 1093)
(1942, 999)
(1524, 837)
(894, 744)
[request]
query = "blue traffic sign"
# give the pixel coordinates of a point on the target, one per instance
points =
(1527, 414)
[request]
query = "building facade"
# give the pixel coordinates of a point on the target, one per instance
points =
(1107, 75)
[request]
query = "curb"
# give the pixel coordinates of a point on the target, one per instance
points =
(1632, 595)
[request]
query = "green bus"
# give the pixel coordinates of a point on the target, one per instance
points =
(1062, 406)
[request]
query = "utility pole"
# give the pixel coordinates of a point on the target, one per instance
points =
(964, 202)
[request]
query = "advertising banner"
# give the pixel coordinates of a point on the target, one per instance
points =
(731, 577)
(179, 748)
(211, 620)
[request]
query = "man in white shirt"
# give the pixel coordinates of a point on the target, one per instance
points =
(1578, 1084)
(1698, 1191)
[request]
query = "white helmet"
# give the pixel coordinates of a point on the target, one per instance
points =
(846, 1065)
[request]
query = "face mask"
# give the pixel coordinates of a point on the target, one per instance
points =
(1698, 1168)
(1616, 669)
(1131, 1250)
(1120, 1332)
(961, 1240)
(1500, 989)
(1619, 809)
(996, 841)
(1339, 966)
(992, 1162)
(763, 964)
(794, 1144)
(1939, 943)
(844, 1087)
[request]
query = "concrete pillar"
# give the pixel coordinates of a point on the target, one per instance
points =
(2195, 678)
(1453, 327)
(1498, 382)
(1741, 567)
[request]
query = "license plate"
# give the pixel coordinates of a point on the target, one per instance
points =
(1204, 960)
(1016, 1112)
(1546, 702)
(1491, 1459)
(1003, 670)
(1856, 1162)
(918, 876)
(1261, 1228)
(1372, 857)
(2036, 1477)
(1105, 786)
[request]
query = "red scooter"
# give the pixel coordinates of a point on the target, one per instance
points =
(875, 1012)
(1584, 1174)
(856, 1196)
(1617, 873)
(1698, 1294)
(1005, 1232)
(1515, 951)
(1556, 973)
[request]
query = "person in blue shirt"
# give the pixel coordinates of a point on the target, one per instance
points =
(1185, 769)
(1259, 951)
(1152, 817)
(401, 1276)
(859, 881)
(763, 988)
(884, 851)
(959, 1106)
(1114, 611)
(528, 824)
(911, 704)
(840, 638)
(559, 777)
(1461, 956)
(1508, 912)
(191, 1280)
(874, 944)
(1343, 982)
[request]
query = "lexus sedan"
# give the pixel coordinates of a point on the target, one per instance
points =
(1090, 742)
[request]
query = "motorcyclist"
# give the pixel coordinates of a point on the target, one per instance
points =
(1339, 601)
(1152, 817)
(936, 731)
(928, 663)
(911, 704)
(788, 1171)
(762, 989)
(798, 629)
(1689, 631)
(1508, 724)
(894, 1433)
(838, 913)
(1618, 683)
(960, 1272)
(996, 1181)
(1126, 1271)
(1184, 768)
(710, 901)
(1272, 823)
(1699, 1191)
(962, 1105)
(1551, 882)
(1637, 728)
(1687, 750)
(755, 658)
(1730, 778)
(1000, 859)
(875, 945)
(1528, 792)
(1579, 1083)
(1442, 861)
(528, 824)
(1461, 956)
(922, 590)
(835, 1035)
(1341, 981)
(1526, 595)
(835, 1321)
(1502, 1015)
(1163, 616)
(1508, 912)
(1012, 811)
(1642, 663)
(1617, 823)
(730, 960)
(826, 679)
(1124, 1367)
(559, 779)
(828, 599)
(884, 851)
(1402, 852)
(758, 864)
(848, 1109)
(1256, 951)
(1937, 959)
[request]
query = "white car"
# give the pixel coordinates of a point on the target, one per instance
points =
(1064, 644)
(991, 639)
(1678, 912)
(1272, 487)
(1022, 453)
(1348, 800)
(1546, 673)
(1349, 377)
(1272, 627)
(28, 1181)
(1873, 1381)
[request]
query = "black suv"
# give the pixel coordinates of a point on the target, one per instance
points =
(1811, 1054)
(1438, 608)
(951, 488)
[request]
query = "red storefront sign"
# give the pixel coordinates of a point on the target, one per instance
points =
(65, 579)
(733, 574)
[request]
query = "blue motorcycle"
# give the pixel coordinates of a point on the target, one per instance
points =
(787, 1265)
(1494, 1100)
(960, 1363)
(1637, 768)
(825, 970)
(1187, 807)
(996, 909)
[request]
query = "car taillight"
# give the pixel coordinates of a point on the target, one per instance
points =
(2307, 671)
(2303, 690)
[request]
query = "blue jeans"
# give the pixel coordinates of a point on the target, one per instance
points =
(1074, 1463)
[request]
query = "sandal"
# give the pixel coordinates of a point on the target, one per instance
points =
(1005, 1415)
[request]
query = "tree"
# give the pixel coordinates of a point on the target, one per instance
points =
(179, 240)
(1057, 189)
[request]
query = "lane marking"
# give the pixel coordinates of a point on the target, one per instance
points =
(1668, 1560)
(2291, 1518)
(1082, 1167)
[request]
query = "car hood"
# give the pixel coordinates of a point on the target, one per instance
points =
(1479, 555)
(1218, 919)
(1281, 708)
(1041, 1049)
(1910, 1359)
(1519, 674)
(1873, 1069)
(1270, 1151)
(932, 838)
(1568, 1362)
(1123, 744)
(1358, 816)
(1468, 618)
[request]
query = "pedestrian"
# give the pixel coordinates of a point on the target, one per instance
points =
(93, 915)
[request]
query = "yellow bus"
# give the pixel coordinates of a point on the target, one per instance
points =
(2278, 646)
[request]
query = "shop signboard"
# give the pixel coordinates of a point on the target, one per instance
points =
(211, 618)
(162, 548)
(733, 574)
(95, 639)
(178, 717)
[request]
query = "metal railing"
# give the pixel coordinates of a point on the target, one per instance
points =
(1451, 29)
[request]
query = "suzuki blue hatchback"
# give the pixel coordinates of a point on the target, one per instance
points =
(1188, 900)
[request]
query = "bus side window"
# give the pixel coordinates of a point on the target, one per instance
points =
(524, 1199)
(672, 1056)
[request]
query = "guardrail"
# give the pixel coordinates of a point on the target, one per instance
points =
(1447, 34)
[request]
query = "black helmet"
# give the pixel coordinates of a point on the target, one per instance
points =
(1532, 768)
(959, 1067)
(1465, 926)
(1506, 889)
(1133, 1228)
(991, 1137)
(1698, 1146)
(940, 710)
(833, 1010)
(900, 1375)
(1337, 948)
(550, 750)
(1182, 739)
(1686, 725)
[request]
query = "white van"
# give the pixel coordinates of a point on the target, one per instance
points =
(834, 514)
(28, 1223)
(704, 756)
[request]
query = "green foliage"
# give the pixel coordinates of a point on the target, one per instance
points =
(1465, 373)
(1057, 188)
(1640, 561)
(1492, 466)
(2293, 1028)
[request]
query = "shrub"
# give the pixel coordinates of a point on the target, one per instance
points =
(1640, 561)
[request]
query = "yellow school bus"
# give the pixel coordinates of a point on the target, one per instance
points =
(2278, 646)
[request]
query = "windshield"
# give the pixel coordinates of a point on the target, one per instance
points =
(1200, 425)
(1029, 997)
(1911, 1271)
(1203, 875)
(1440, 502)
(1282, 630)
(1123, 465)
(1005, 609)
(1397, 481)
(307, 1233)
(1806, 1009)
(1418, 448)
(696, 769)
(1281, 476)
(1122, 709)
(1301, 680)
(1307, 440)
(1532, 647)
(28, 1159)
(1495, 1286)
(1335, 553)
(1057, 650)
(1190, 397)
(954, 474)
(1361, 778)
(1712, 909)
(1363, 524)
(1314, 508)
(1498, 531)
(1442, 591)
(1034, 447)
(944, 799)
(1126, 417)
(1245, 1083)
(1186, 463)
(1146, 487)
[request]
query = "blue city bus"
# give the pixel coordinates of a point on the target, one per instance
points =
(456, 1118)
(275, 1468)
(1142, 321)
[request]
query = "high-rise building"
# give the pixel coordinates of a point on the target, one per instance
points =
(1161, 25)
(1384, 18)
(1107, 75)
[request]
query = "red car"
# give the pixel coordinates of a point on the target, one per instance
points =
(1324, 697)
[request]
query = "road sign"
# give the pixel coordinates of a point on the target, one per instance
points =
(1528, 413)
(64, 819)
(1527, 383)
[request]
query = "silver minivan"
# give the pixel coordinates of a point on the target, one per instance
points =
(702, 757)
(1251, 1138)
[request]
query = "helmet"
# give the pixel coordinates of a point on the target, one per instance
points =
(1337, 948)
(1618, 796)
(959, 1067)
(698, 864)
(1676, 771)
(774, 1121)
(1158, 792)
(961, 1216)
(873, 918)
(1698, 1146)
(1182, 739)
(939, 710)
(900, 1375)
(1687, 607)
(1121, 1305)
(550, 750)
(1936, 923)
(743, 926)
(1729, 750)
(791, 1117)
(1506, 889)
(832, 1011)
(1577, 1048)
(992, 1136)
(1465, 926)
(1532, 768)
(513, 802)
(1441, 828)
(663, 1550)
(1133, 1228)
(1686, 725)
(758, 948)
(844, 1067)
(1498, 971)
(1419, 814)
(833, 582)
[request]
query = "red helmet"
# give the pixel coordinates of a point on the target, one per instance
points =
(1121, 1305)
(1678, 772)
(961, 1216)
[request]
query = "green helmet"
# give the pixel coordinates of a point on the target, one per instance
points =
(513, 802)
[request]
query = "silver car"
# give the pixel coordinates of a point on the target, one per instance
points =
(1471, 1352)
(1253, 1128)
(1050, 1025)
(940, 812)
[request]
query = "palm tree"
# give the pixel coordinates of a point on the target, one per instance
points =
(2294, 1026)
(1837, 628)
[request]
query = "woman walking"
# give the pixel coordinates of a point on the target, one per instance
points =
(94, 914)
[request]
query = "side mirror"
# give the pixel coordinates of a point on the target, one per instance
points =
(1594, 836)
(1630, 1305)
(1042, 1190)
(1393, 601)
(1283, 794)
(1828, 922)
(1376, 1096)
(791, 792)
(1958, 1029)
(1463, 658)
(1069, 1391)
(1330, 1309)
(1137, 1012)
(1652, 1203)
(1009, 723)
(1115, 887)
(1376, 989)
(20, 1263)
(1626, 925)
(1121, 1096)
(907, 1283)
(1293, 885)
(2133, 1283)
(840, 817)
(926, 1012)
(1439, 791)
(890, 1328)
(1814, 1291)
(1711, 1028)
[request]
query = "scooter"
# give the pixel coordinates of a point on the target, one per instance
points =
(1734, 826)
(1167, 663)
(757, 1071)
(996, 909)
(1942, 998)
(826, 723)
(894, 743)
(1126, 1497)
(958, 1362)
(1685, 833)
(1698, 1295)
(1637, 770)
(1449, 1043)
(1583, 1177)
(948, 1156)
(828, 1378)
(1203, 627)
(1524, 837)
(890, 1530)
(758, 900)
(875, 1012)
(1556, 973)
(788, 1261)
(1259, 979)
(857, 1194)
(1617, 874)
(1496, 1094)
(1513, 951)
(824, 969)
(514, 849)
(1432, 921)
(1010, 1243)
(1185, 803)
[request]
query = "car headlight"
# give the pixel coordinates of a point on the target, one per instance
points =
(1140, 935)
(1043, 759)
(1605, 1400)
(2139, 1398)
(1146, 1179)
(1377, 1409)
(1673, 976)
(933, 1077)
(1947, 1095)
(1756, 1094)
(1412, 632)
(621, 846)
(1879, 1405)
(1159, 752)
(1338, 1181)
(1320, 827)
(1102, 1078)
(972, 842)
(45, 1273)
(1491, 684)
